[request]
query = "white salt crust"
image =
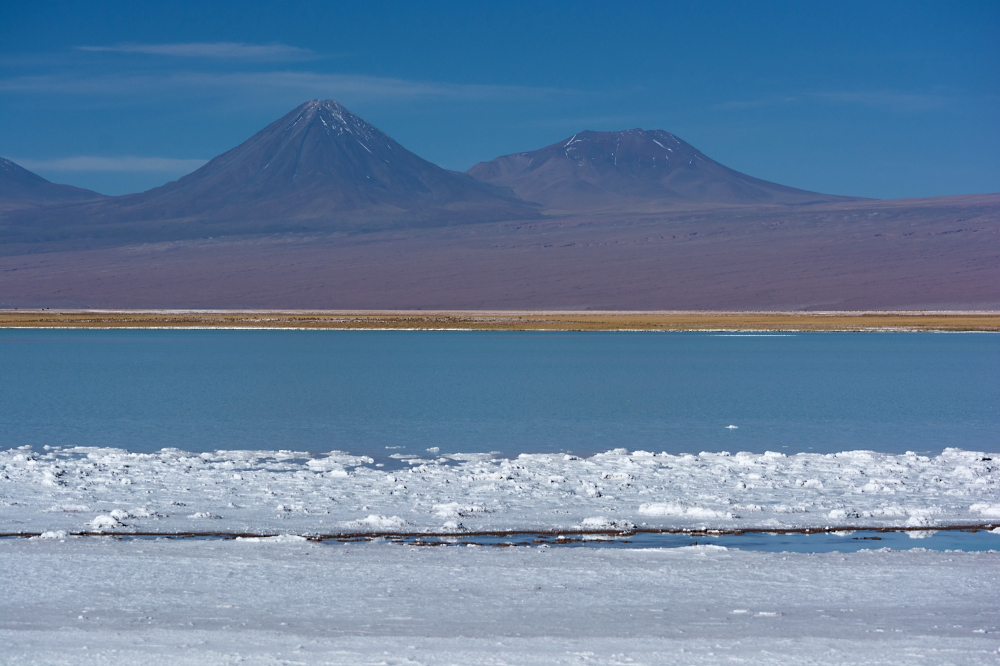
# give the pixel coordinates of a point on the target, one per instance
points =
(284, 492)
(96, 601)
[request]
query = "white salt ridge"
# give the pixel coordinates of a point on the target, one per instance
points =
(267, 492)
(986, 510)
(603, 523)
(101, 523)
(56, 534)
(679, 510)
(281, 538)
(377, 523)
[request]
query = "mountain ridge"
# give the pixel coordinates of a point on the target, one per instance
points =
(321, 170)
(632, 169)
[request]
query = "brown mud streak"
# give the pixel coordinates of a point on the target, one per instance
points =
(352, 536)
(508, 320)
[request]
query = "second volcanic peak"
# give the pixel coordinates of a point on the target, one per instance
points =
(655, 146)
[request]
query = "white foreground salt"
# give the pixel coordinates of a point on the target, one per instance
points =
(98, 600)
(269, 492)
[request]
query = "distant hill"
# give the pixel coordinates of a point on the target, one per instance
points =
(634, 170)
(20, 188)
(319, 168)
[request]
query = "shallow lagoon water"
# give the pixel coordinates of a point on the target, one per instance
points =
(384, 392)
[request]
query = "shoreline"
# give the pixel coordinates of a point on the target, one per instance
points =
(495, 320)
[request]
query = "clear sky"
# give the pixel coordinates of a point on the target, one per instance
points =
(879, 99)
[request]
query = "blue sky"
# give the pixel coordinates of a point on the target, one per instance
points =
(880, 99)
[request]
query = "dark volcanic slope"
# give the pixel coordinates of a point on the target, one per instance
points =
(631, 170)
(22, 188)
(321, 161)
(319, 168)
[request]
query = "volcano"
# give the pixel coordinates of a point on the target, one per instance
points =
(319, 168)
(631, 170)
(321, 162)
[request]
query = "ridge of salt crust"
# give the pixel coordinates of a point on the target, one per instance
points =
(112, 490)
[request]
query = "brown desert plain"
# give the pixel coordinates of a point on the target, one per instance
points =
(938, 254)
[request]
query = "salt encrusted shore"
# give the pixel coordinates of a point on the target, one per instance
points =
(78, 490)
(102, 601)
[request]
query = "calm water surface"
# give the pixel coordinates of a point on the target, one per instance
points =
(364, 391)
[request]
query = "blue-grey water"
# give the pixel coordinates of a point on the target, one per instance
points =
(510, 392)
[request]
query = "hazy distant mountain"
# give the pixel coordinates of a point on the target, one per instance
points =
(631, 170)
(320, 168)
(322, 162)
(20, 188)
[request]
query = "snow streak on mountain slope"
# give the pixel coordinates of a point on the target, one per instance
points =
(111, 490)
(632, 170)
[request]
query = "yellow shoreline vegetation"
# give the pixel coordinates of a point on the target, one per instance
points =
(507, 320)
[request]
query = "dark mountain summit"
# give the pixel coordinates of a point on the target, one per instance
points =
(630, 170)
(322, 162)
(320, 168)
(22, 188)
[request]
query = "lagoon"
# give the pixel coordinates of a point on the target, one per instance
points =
(383, 392)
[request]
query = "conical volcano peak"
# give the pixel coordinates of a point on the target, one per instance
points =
(333, 119)
(320, 167)
(318, 146)
(331, 107)
(331, 113)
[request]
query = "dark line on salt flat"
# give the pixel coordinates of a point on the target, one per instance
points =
(349, 536)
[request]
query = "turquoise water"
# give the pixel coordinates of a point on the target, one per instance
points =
(364, 391)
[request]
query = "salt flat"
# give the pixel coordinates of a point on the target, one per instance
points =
(100, 600)
(85, 489)
(285, 599)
